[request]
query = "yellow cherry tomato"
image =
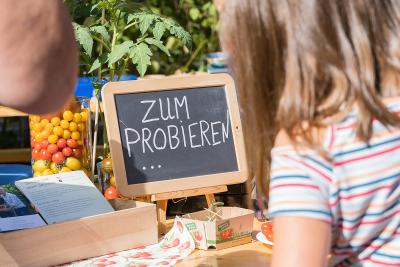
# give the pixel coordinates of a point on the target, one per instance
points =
(66, 134)
(75, 135)
(65, 169)
(73, 163)
(77, 117)
(107, 165)
(55, 121)
(54, 167)
(73, 126)
(58, 130)
(112, 181)
(39, 165)
(84, 115)
(47, 172)
(81, 127)
(44, 122)
(49, 127)
(68, 115)
(64, 124)
(37, 174)
(53, 139)
(39, 137)
(33, 133)
(35, 118)
(37, 127)
(45, 134)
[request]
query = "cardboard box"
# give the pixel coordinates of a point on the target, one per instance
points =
(234, 229)
(133, 224)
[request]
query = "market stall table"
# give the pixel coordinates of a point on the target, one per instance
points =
(252, 254)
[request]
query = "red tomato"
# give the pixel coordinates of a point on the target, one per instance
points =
(58, 157)
(180, 226)
(174, 243)
(266, 229)
(52, 148)
(72, 143)
(61, 143)
(77, 152)
(111, 193)
(38, 146)
(36, 154)
(198, 236)
(44, 144)
(67, 151)
(185, 245)
(44, 154)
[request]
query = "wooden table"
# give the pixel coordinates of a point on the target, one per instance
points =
(252, 254)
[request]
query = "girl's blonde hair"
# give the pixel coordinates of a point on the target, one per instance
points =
(298, 62)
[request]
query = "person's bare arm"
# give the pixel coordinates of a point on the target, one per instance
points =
(300, 242)
(38, 55)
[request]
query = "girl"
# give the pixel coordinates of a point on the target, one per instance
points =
(317, 81)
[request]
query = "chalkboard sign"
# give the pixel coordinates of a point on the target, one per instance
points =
(174, 134)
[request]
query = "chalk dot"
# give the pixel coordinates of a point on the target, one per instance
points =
(159, 166)
(144, 168)
(181, 121)
(152, 167)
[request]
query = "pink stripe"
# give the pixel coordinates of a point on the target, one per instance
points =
(368, 222)
(340, 163)
(287, 185)
(346, 127)
(360, 194)
(310, 167)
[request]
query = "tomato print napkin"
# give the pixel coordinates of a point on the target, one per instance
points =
(177, 244)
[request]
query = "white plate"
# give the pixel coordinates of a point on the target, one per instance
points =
(261, 237)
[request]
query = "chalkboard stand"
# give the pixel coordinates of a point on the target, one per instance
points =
(162, 201)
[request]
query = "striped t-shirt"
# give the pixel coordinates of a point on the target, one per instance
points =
(355, 189)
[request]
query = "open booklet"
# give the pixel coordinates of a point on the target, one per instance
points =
(16, 213)
(64, 196)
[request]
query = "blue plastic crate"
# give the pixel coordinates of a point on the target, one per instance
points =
(9, 173)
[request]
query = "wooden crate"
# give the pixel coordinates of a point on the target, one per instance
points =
(134, 224)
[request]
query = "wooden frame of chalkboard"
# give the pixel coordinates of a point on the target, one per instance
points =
(135, 156)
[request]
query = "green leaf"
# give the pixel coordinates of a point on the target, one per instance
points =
(145, 21)
(84, 38)
(159, 30)
(178, 32)
(157, 43)
(130, 18)
(140, 55)
(119, 51)
(194, 13)
(102, 31)
(98, 62)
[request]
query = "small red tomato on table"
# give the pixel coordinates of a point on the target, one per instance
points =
(266, 229)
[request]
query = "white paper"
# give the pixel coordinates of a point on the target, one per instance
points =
(64, 196)
(21, 222)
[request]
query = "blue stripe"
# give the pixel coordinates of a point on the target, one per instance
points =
(386, 255)
(289, 176)
(369, 214)
(285, 211)
(366, 147)
(394, 176)
(328, 168)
